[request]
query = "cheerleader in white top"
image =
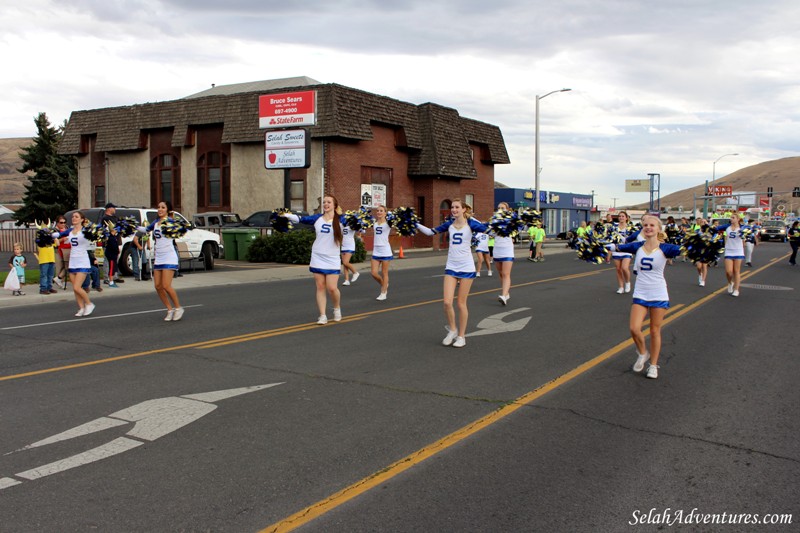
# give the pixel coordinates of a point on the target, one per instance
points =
(459, 268)
(349, 236)
(650, 296)
(482, 252)
(165, 263)
(622, 261)
(503, 255)
(734, 252)
(326, 259)
(381, 251)
(79, 266)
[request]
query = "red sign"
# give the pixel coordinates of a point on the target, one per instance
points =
(763, 201)
(719, 190)
(287, 109)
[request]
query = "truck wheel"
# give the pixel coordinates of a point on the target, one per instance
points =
(208, 256)
(125, 266)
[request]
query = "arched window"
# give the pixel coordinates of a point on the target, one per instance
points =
(214, 181)
(165, 180)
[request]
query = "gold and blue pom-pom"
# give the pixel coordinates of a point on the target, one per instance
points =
(404, 220)
(592, 248)
(506, 223)
(530, 217)
(95, 232)
(127, 226)
(280, 223)
(174, 229)
(44, 235)
(703, 247)
(359, 220)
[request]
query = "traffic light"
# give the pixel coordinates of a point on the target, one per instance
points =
(796, 192)
(769, 192)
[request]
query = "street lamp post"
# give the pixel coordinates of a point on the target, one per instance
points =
(713, 179)
(536, 161)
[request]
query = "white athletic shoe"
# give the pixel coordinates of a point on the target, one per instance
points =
(88, 309)
(346, 282)
(638, 366)
(451, 335)
(621, 290)
(490, 273)
(627, 287)
(337, 314)
(355, 276)
(652, 371)
(730, 288)
(503, 299)
(702, 283)
(477, 274)
(80, 312)
(169, 316)
(60, 283)
(322, 320)
(178, 314)
(381, 296)
(735, 293)
(700, 280)
(460, 342)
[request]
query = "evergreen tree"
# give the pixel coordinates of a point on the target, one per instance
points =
(53, 189)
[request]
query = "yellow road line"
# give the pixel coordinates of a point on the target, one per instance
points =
(318, 509)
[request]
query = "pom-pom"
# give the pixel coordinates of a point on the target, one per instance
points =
(404, 220)
(280, 223)
(592, 248)
(506, 223)
(174, 229)
(127, 226)
(703, 247)
(95, 232)
(44, 237)
(530, 217)
(359, 220)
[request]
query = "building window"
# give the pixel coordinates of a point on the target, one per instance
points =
(298, 195)
(99, 195)
(165, 180)
(213, 181)
(469, 199)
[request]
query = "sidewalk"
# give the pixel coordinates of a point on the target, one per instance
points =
(236, 272)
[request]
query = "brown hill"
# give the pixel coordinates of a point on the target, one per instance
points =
(12, 183)
(783, 175)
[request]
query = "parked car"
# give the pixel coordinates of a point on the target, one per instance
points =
(261, 219)
(217, 219)
(773, 229)
(206, 245)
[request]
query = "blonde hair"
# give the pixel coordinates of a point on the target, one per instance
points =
(17, 245)
(661, 235)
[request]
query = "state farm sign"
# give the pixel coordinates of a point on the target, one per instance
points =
(287, 149)
(287, 109)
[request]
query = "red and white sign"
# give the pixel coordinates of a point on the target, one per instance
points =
(287, 110)
(763, 201)
(721, 190)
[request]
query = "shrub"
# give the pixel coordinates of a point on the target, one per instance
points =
(293, 247)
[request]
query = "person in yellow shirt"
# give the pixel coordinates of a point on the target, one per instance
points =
(46, 255)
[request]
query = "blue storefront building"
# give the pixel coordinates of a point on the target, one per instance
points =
(561, 211)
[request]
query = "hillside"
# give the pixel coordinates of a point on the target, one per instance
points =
(783, 175)
(12, 183)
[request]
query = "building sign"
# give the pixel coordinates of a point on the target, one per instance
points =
(287, 110)
(287, 149)
(577, 201)
(373, 195)
(637, 185)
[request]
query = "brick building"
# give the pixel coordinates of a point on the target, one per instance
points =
(205, 152)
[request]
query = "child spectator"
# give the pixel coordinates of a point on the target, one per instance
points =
(18, 263)
(47, 267)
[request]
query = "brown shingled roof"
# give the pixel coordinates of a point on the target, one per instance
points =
(437, 137)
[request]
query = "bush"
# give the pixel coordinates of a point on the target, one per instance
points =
(293, 247)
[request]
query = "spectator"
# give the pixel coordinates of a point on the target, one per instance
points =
(62, 255)
(94, 275)
(46, 257)
(112, 246)
(18, 263)
(139, 255)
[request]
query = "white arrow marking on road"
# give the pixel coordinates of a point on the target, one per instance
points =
(152, 419)
(494, 324)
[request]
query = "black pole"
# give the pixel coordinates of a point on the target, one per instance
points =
(287, 188)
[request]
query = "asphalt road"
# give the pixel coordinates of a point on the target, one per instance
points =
(538, 424)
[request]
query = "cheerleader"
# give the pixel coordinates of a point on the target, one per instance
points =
(459, 270)
(622, 261)
(348, 249)
(700, 264)
(503, 256)
(79, 266)
(381, 251)
(166, 263)
(326, 259)
(650, 296)
(734, 252)
(482, 252)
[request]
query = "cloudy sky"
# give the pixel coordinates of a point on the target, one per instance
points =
(663, 86)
